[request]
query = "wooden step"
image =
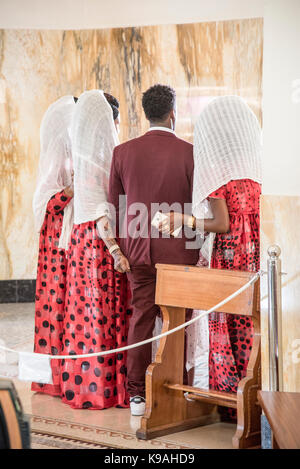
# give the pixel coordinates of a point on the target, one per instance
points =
(225, 399)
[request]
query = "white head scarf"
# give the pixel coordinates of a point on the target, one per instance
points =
(55, 164)
(227, 146)
(94, 137)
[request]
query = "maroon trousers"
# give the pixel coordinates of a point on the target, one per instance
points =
(142, 281)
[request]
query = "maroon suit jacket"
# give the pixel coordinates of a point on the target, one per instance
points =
(154, 168)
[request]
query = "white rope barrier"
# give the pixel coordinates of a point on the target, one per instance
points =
(152, 339)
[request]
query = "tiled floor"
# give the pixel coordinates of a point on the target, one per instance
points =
(114, 427)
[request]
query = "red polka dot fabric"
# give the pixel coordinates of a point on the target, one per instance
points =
(50, 290)
(231, 336)
(96, 319)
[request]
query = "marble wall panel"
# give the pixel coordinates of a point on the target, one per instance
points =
(280, 224)
(36, 67)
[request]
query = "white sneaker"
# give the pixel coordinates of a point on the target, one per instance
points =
(137, 406)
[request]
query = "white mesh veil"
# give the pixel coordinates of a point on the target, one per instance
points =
(94, 137)
(227, 146)
(55, 165)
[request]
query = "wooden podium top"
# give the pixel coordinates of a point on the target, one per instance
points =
(282, 410)
(201, 288)
(195, 268)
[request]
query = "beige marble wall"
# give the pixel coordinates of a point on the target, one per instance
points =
(280, 224)
(37, 67)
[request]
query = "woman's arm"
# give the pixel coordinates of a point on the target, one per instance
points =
(59, 201)
(121, 263)
(69, 191)
(218, 224)
(220, 221)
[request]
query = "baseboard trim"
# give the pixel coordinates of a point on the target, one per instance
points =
(17, 291)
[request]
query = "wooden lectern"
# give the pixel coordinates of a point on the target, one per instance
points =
(167, 410)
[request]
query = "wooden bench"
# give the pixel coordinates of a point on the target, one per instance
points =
(167, 410)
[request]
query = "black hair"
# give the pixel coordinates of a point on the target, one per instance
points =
(75, 99)
(158, 101)
(114, 104)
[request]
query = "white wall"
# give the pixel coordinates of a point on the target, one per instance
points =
(281, 97)
(90, 14)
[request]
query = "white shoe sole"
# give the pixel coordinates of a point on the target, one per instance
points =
(137, 412)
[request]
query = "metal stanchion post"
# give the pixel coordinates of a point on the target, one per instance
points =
(274, 316)
(274, 332)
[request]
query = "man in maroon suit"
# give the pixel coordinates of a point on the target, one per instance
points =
(156, 168)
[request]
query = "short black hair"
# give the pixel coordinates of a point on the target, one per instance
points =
(114, 104)
(158, 101)
(75, 99)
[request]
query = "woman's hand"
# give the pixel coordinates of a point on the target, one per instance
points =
(174, 221)
(202, 262)
(69, 191)
(121, 263)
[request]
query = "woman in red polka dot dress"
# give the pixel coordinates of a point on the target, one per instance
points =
(227, 174)
(97, 298)
(53, 198)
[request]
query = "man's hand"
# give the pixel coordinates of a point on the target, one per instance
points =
(121, 263)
